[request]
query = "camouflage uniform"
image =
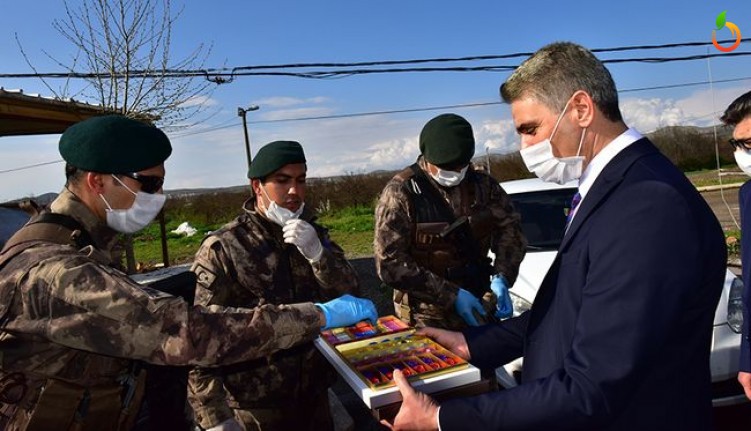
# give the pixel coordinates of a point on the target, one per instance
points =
(426, 298)
(246, 263)
(73, 326)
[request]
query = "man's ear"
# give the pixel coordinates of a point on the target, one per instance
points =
(584, 108)
(255, 186)
(95, 182)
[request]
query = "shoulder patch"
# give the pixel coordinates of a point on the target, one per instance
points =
(205, 277)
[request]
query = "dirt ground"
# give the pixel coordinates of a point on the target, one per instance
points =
(724, 203)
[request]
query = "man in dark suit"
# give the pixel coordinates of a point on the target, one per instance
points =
(738, 115)
(618, 337)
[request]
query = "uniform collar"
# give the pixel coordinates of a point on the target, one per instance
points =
(67, 203)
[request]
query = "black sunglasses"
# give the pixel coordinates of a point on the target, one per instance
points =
(744, 144)
(149, 183)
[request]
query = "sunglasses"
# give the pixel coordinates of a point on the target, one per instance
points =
(149, 183)
(744, 144)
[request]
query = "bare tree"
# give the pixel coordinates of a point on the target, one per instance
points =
(125, 45)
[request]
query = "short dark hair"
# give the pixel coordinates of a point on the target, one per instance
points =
(738, 110)
(72, 174)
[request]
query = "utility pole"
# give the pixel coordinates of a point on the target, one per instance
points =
(487, 159)
(241, 113)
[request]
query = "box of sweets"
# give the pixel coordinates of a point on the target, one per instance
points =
(366, 355)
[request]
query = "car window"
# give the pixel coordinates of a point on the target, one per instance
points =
(543, 216)
(11, 219)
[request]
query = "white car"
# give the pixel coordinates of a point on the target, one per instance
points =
(542, 205)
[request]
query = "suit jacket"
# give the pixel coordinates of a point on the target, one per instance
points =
(618, 337)
(744, 200)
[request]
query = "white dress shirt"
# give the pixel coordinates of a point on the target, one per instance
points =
(598, 163)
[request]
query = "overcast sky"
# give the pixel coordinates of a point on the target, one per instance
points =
(252, 33)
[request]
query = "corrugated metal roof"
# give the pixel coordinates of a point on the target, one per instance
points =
(33, 114)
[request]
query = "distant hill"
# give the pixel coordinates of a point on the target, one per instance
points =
(42, 200)
(215, 190)
(723, 133)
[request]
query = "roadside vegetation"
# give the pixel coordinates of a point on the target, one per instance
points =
(346, 204)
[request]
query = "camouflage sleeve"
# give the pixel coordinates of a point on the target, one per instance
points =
(392, 243)
(84, 305)
(206, 392)
(507, 240)
(208, 397)
(334, 273)
(212, 267)
(217, 270)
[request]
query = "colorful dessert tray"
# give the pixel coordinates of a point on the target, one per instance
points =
(366, 355)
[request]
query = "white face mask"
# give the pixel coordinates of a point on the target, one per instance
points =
(278, 214)
(539, 159)
(743, 159)
(143, 211)
(449, 178)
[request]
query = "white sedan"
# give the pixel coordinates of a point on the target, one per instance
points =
(543, 207)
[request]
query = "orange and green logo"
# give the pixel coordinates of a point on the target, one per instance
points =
(734, 30)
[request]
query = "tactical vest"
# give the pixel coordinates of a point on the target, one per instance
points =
(36, 402)
(444, 243)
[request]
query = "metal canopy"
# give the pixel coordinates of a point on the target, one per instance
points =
(22, 114)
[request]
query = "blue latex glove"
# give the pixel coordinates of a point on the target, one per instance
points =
(347, 310)
(465, 303)
(504, 307)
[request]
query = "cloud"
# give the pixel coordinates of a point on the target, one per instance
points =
(705, 107)
(357, 144)
(285, 114)
(647, 115)
(497, 135)
(393, 153)
(285, 101)
(199, 101)
(701, 108)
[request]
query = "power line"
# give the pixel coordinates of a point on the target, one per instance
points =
(21, 168)
(433, 108)
(460, 59)
(685, 84)
(225, 75)
(363, 114)
(248, 71)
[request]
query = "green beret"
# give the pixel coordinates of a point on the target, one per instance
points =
(273, 156)
(447, 140)
(114, 144)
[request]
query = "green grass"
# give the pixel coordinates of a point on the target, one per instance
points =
(351, 228)
(355, 244)
(709, 177)
(352, 219)
(148, 248)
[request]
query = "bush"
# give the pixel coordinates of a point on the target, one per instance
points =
(205, 208)
(509, 167)
(693, 149)
(351, 190)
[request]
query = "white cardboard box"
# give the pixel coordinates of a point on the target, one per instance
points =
(374, 398)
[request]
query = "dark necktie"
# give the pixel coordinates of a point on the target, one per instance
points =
(574, 202)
